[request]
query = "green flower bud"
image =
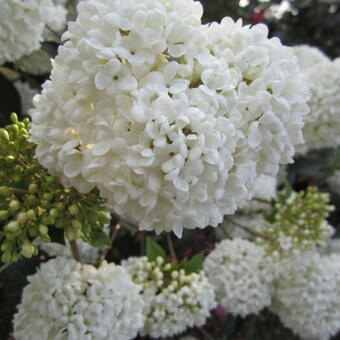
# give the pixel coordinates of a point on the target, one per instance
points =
(22, 217)
(49, 179)
(43, 229)
(47, 196)
(27, 250)
(33, 231)
(54, 212)
(33, 188)
(5, 192)
(4, 135)
(14, 118)
(76, 224)
(44, 204)
(59, 205)
(6, 258)
(4, 214)
(17, 179)
(14, 205)
(12, 226)
(31, 199)
(73, 210)
(70, 234)
(6, 247)
(31, 214)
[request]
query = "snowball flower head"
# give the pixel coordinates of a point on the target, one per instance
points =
(65, 300)
(309, 56)
(322, 123)
(307, 295)
(241, 275)
(173, 300)
(172, 121)
(22, 23)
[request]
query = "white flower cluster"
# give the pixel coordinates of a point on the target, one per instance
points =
(241, 275)
(322, 123)
(67, 301)
(309, 56)
(307, 295)
(22, 23)
(173, 300)
(172, 121)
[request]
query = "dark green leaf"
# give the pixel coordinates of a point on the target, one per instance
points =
(194, 265)
(153, 249)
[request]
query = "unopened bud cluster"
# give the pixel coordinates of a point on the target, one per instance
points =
(174, 300)
(299, 223)
(32, 202)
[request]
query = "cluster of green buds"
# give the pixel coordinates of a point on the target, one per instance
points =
(174, 298)
(157, 274)
(297, 223)
(34, 204)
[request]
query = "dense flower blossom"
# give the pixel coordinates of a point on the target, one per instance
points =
(309, 56)
(172, 121)
(65, 300)
(22, 23)
(323, 79)
(173, 300)
(241, 275)
(307, 295)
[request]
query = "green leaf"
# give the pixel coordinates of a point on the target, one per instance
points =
(194, 265)
(153, 249)
(98, 239)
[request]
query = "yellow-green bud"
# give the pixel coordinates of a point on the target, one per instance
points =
(4, 135)
(31, 214)
(43, 229)
(14, 117)
(5, 191)
(14, 205)
(73, 210)
(6, 258)
(27, 250)
(12, 226)
(33, 188)
(54, 212)
(4, 214)
(76, 224)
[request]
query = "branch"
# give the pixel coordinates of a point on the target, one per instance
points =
(171, 248)
(2, 268)
(114, 234)
(75, 250)
(205, 333)
(249, 231)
